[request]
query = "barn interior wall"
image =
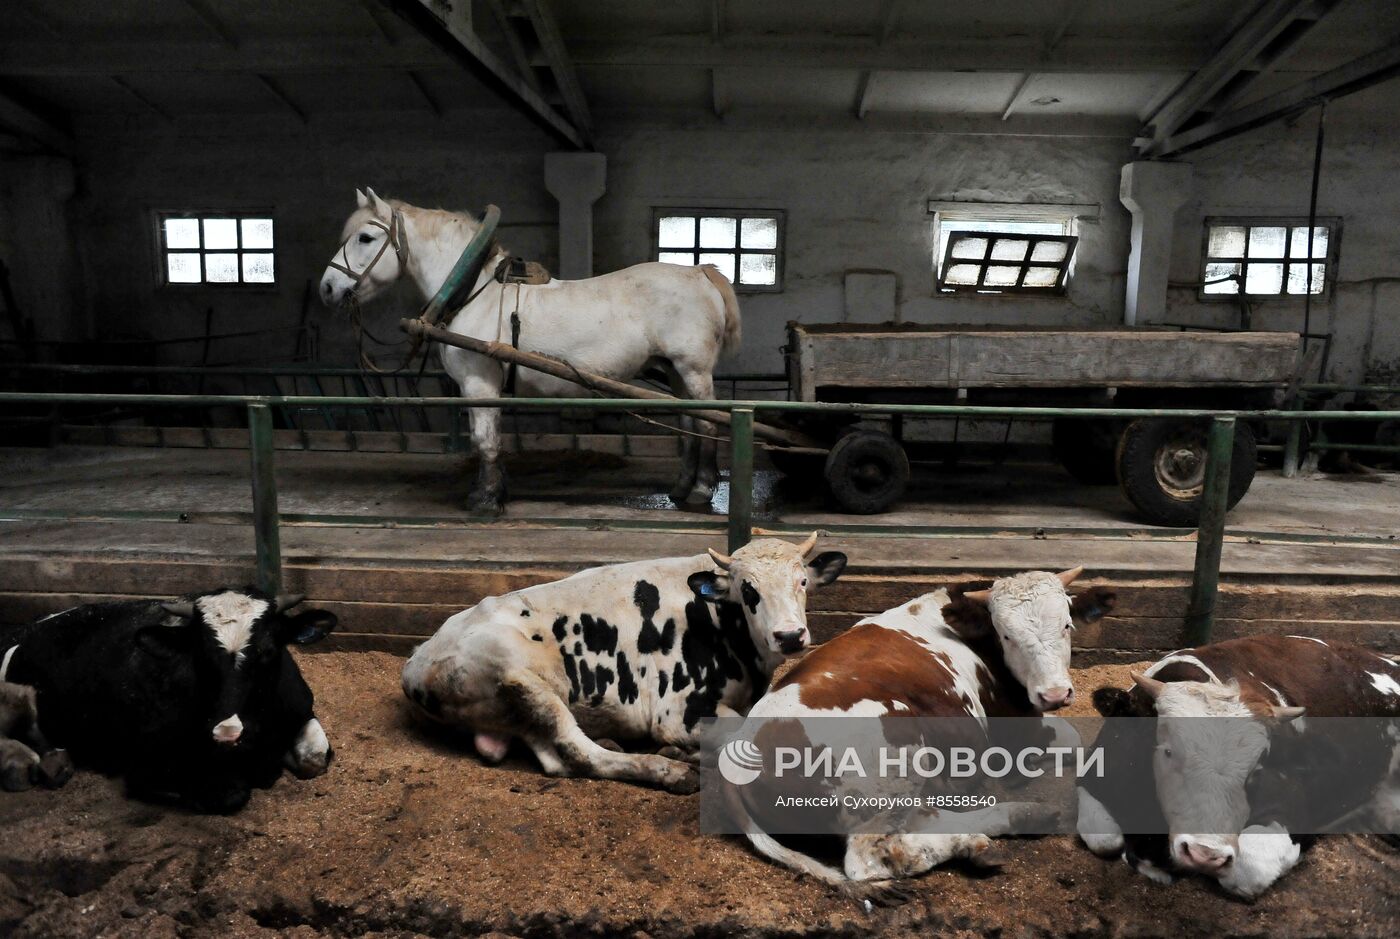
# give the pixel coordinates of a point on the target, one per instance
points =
(306, 177)
(855, 199)
(858, 201)
(1268, 171)
(37, 244)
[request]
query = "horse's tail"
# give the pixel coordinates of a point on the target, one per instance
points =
(732, 329)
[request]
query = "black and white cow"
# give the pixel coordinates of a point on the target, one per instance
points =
(26, 758)
(1233, 770)
(638, 651)
(195, 700)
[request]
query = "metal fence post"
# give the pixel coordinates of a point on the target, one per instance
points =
(267, 538)
(740, 478)
(1210, 536)
(1292, 449)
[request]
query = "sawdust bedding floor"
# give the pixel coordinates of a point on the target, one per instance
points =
(409, 835)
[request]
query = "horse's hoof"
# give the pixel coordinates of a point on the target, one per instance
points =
(700, 495)
(55, 769)
(487, 506)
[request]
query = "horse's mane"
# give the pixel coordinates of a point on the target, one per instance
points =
(434, 221)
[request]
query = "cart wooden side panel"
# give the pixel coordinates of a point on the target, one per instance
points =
(939, 357)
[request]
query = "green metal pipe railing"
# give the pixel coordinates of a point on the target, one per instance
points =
(1210, 532)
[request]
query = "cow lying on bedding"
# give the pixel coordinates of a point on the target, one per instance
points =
(978, 651)
(1226, 793)
(25, 756)
(638, 651)
(195, 700)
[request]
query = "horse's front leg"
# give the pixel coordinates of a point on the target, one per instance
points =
(489, 492)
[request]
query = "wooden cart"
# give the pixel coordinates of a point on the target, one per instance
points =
(1159, 464)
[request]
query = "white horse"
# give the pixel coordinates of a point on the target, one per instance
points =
(666, 317)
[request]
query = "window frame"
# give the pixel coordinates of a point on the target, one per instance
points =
(1068, 215)
(986, 263)
(162, 268)
(1333, 224)
(738, 214)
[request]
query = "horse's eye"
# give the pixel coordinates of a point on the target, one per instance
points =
(1167, 752)
(366, 239)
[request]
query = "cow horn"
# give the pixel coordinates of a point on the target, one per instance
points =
(805, 548)
(181, 608)
(285, 601)
(1285, 714)
(979, 596)
(1070, 576)
(722, 560)
(1151, 686)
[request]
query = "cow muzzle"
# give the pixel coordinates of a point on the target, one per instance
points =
(791, 641)
(1052, 699)
(1206, 856)
(227, 732)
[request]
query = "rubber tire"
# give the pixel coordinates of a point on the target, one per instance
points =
(1137, 475)
(867, 472)
(1087, 449)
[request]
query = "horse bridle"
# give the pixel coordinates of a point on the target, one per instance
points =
(393, 236)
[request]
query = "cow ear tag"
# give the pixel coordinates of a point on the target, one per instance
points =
(707, 586)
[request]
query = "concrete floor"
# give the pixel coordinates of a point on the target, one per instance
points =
(382, 539)
(82, 481)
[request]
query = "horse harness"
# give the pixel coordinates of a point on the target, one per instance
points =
(510, 270)
(393, 237)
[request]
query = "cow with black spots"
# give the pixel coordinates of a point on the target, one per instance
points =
(635, 652)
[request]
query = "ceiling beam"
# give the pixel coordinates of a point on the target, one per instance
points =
(26, 122)
(1071, 12)
(1018, 54)
(426, 95)
(1277, 52)
(276, 91)
(506, 24)
(265, 57)
(560, 65)
(1381, 65)
(212, 22)
(1269, 20)
(138, 95)
(884, 28)
(380, 17)
(451, 31)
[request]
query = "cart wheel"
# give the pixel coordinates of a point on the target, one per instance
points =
(1086, 449)
(867, 471)
(1162, 464)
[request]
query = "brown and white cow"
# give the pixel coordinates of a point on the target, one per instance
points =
(1226, 790)
(639, 651)
(975, 650)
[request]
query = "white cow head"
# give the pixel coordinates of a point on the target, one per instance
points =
(1210, 741)
(371, 253)
(770, 579)
(1031, 616)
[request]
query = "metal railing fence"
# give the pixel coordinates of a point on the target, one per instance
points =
(1210, 535)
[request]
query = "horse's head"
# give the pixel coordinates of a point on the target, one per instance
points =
(371, 254)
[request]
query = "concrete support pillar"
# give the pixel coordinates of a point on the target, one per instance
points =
(1152, 192)
(576, 180)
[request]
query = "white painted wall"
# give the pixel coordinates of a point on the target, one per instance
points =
(855, 197)
(1268, 171)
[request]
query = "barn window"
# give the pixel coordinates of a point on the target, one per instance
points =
(222, 248)
(747, 247)
(997, 249)
(1270, 257)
